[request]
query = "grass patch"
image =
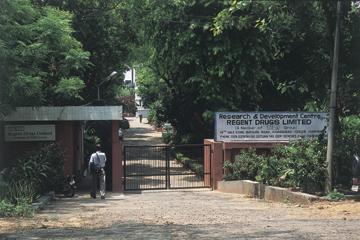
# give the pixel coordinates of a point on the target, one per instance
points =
(335, 196)
(21, 209)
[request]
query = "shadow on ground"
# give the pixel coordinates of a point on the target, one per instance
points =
(151, 231)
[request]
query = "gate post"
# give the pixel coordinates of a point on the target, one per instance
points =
(167, 166)
(207, 164)
(216, 161)
(117, 157)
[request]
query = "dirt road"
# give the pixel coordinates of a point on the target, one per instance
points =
(184, 215)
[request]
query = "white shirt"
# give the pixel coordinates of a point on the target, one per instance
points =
(98, 158)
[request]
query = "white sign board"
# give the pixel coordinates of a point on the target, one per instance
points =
(25, 133)
(268, 126)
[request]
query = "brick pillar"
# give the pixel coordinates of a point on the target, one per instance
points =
(117, 158)
(216, 161)
(65, 140)
(207, 159)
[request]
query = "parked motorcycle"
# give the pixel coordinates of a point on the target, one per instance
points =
(355, 173)
(69, 186)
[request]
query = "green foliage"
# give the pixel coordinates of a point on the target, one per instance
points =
(189, 163)
(335, 196)
(4, 186)
(39, 56)
(6, 209)
(347, 144)
(103, 29)
(21, 191)
(271, 170)
(41, 169)
(150, 88)
(22, 209)
(16, 198)
(167, 133)
(205, 56)
(126, 91)
(300, 164)
(34, 173)
(167, 137)
(157, 114)
(245, 166)
(69, 87)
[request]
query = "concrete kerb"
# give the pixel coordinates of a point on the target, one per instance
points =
(278, 194)
(268, 193)
(245, 187)
(42, 201)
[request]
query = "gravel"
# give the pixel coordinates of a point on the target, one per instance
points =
(201, 214)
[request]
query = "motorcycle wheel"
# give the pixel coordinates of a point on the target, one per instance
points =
(69, 192)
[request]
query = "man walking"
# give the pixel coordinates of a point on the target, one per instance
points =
(97, 165)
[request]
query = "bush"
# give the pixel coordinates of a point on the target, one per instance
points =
(4, 186)
(335, 196)
(167, 134)
(197, 168)
(42, 169)
(347, 143)
(22, 209)
(20, 191)
(245, 166)
(157, 114)
(6, 209)
(34, 173)
(190, 164)
(271, 171)
(300, 164)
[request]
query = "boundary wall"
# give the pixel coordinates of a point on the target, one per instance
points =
(226, 151)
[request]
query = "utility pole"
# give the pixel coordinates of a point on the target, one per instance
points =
(332, 107)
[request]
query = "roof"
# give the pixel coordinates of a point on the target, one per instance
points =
(65, 113)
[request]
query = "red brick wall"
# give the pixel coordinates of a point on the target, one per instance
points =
(221, 152)
(65, 140)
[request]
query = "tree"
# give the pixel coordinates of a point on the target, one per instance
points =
(103, 29)
(199, 68)
(239, 56)
(41, 63)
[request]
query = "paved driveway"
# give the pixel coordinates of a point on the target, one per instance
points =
(189, 214)
(140, 134)
(146, 160)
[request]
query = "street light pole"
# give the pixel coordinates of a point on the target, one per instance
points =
(334, 75)
(108, 78)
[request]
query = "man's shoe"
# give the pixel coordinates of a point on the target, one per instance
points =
(93, 195)
(102, 197)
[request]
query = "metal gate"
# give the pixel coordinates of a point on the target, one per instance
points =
(166, 166)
